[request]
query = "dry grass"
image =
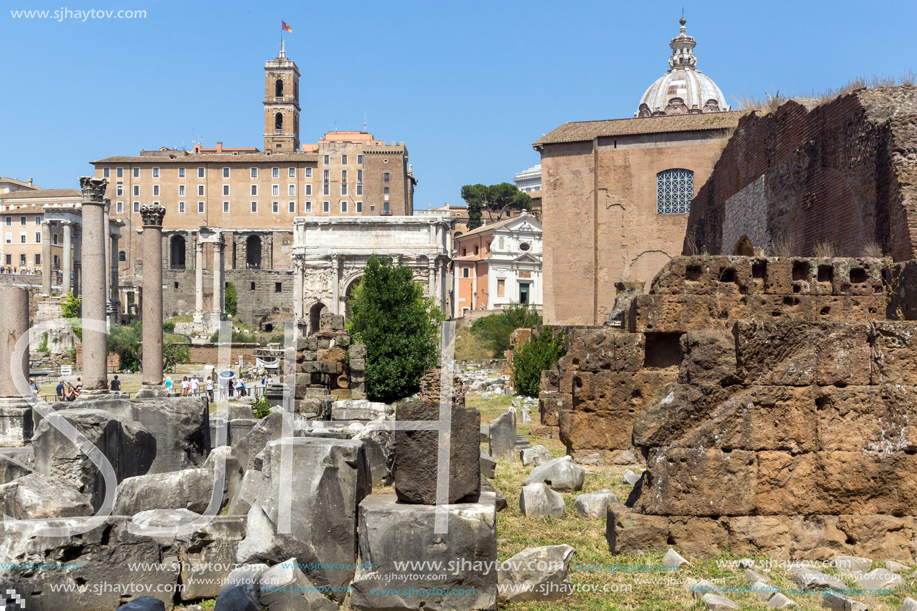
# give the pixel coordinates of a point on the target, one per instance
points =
(824, 250)
(782, 247)
(761, 104)
(872, 250)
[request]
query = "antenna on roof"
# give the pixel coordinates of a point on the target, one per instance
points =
(364, 121)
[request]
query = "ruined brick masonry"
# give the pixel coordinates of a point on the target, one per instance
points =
(843, 173)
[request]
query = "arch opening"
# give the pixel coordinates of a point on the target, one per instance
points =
(253, 252)
(177, 252)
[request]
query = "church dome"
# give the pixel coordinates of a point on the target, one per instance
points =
(683, 89)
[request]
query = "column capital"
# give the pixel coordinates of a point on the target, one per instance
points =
(198, 246)
(93, 189)
(152, 215)
(107, 203)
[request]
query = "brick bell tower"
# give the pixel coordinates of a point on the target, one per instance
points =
(281, 105)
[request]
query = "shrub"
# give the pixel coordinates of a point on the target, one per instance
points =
(398, 326)
(231, 299)
(260, 407)
(495, 330)
(168, 326)
(70, 309)
(540, 353)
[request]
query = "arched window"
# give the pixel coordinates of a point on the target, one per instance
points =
(122, 256)
(278, 121)
(177, 252)
(674, 191)
(278, 88)
(253, 252)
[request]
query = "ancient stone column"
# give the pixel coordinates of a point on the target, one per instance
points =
(46, 270)
(95, 340)
(431, 281)
(68, 257)
(218, 279)
(152, 293)
(14, 323)
(77, 259)
(107, 253)
(115, 288)
(298, 288)
(336, 283)
(198, 279)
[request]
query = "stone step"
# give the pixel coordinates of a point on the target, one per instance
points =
(522, 442)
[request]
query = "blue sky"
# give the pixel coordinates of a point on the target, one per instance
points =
(467, 86)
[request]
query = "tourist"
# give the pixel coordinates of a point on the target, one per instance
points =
(210, 389)
(72, 393)
(115, 385)
(79, 386)
(241, 387)
(33, 385)
(194, 385)
(60, 391)
(168, 384)
(230, 387)
(185, 386)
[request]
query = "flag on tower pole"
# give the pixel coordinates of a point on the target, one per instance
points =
(285, 27)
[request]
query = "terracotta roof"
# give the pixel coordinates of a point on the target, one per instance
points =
(16, 181)
(34, 209)
(224, 158)
(582, 131)
(41, 193)
(484, 228)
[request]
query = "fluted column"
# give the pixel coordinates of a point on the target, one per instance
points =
(95, 340)
(14, 323)
(152, 216)
(77, 259)
(46, 270)
(68, 257)
(198, 278)
(107, 253)
(217, 311)
(113, 278)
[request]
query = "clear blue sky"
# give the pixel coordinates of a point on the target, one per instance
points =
(468, 86)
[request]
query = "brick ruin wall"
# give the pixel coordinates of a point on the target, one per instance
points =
(844, 173)
(771, 399)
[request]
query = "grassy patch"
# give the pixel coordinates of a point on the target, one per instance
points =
(181, 318)
(468, 346)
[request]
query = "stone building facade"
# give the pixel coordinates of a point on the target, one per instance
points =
(245, 194)
(840, 173)
(616, 194)
(329, 256)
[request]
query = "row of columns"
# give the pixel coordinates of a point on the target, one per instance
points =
(216, 309)
(71, 263)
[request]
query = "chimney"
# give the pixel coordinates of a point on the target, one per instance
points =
(30, 182)
(219, 147)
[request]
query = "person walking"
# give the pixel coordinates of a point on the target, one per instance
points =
(230, 387)
(209, 387)
(194, 385)
(185, 385)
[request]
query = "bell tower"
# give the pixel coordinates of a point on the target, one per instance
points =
(281, 105)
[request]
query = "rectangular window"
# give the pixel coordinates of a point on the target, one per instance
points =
(120, 190)
(466, 272)
(327, 189)
(308, 189)
(105, 172)
(226, 190)
(137, 207)
(155, 190)
(22, 238)
(275, 190)
(385, 190)
(343, 159)
(343, 189)
(181, 172)
(54, 238)
(181, 207)
(225, 207)
(291, 190)
(155, 172)
(501, 288)
(37, 220)
(254, 206)
(200, 172)
(254, 189)
(275, 172)
(9, 220)
(9, 238)
(275, 207)
(278, 287)
(38, 237)
(292, 173)
(181, 190)
(200, 189)
(22, 260)
(326, 176)
(326, 160)
(9, 259)
(254, 172)
(386, 177)
(225, 172)
(343, 175)
(308, 172)
(136, 172)
(292, 206)
(359, 189)
(120, 172)
(120, 207)
(253, 286)
(200, 207)
(359, 159)
(359, 175)
(22, 220)
(308, 206)
(326, 206)
(136, 191)
(344, 206)
(359, 207)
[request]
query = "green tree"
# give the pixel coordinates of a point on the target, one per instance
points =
(494, 331)
(70, 309)
(495, 200)
(173, 353)
(398, 326)
(231, 299)
(126, 342)
(540, 353)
